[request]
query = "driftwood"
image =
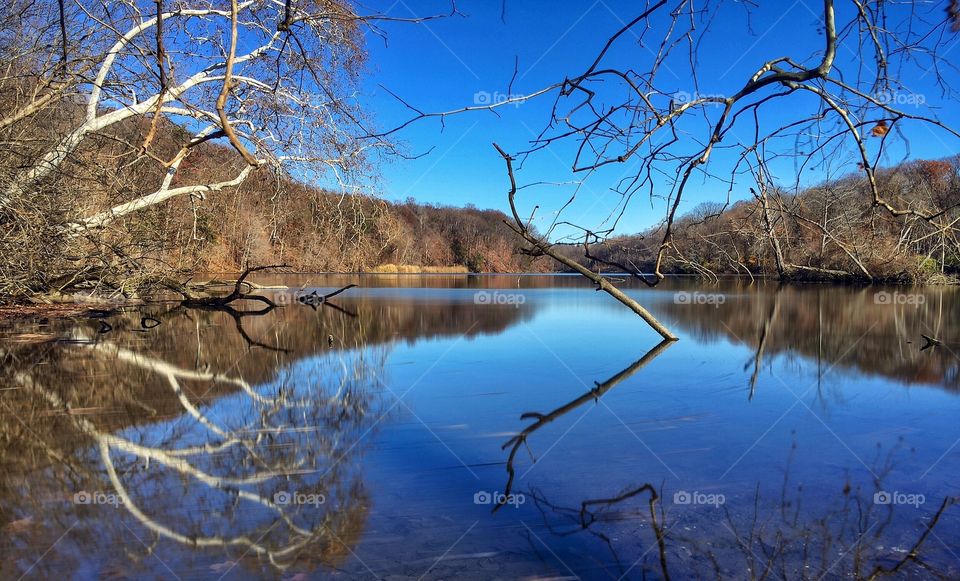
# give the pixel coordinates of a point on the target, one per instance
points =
(313, 299)
(203, 300)
(197, 295)
(238, 294)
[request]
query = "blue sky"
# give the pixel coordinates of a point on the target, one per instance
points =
(444, 64)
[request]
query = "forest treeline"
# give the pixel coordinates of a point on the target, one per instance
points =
(142, 144)
(270, 218)
(830, 231)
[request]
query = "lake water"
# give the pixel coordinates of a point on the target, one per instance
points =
(488, 427)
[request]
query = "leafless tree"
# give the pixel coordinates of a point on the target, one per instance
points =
(104, 129)
(839, 110)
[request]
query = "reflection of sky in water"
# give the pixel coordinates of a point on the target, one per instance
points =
(409, 469)
(683, 421)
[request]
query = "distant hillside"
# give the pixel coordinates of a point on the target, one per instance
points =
(830, 231)
(269, 218)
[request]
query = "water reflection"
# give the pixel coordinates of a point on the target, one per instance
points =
(541, 419)
(263, 478)
(855, 528)
(232, 434)
(776, 538)
(352, 437)
(853, 328)
(873, 330)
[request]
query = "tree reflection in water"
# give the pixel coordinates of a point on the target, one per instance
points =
(198, 423)
(774, 539)
(847, 535)
(219, 439)
(253, 462)
(820, 323)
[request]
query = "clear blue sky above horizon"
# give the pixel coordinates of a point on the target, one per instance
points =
(444, 64)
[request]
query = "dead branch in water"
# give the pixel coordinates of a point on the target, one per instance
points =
(237, 294)
(930, 342)
(313, 299)
(543, 247)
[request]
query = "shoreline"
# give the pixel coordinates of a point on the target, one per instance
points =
(13, 310)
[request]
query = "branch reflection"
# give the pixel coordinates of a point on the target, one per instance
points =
(594, 394)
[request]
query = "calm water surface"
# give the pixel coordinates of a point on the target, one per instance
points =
(477, 427)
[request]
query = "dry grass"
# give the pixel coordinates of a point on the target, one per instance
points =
(417, 269)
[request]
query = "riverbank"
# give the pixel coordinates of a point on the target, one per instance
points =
(18, 308)
(19, 312)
